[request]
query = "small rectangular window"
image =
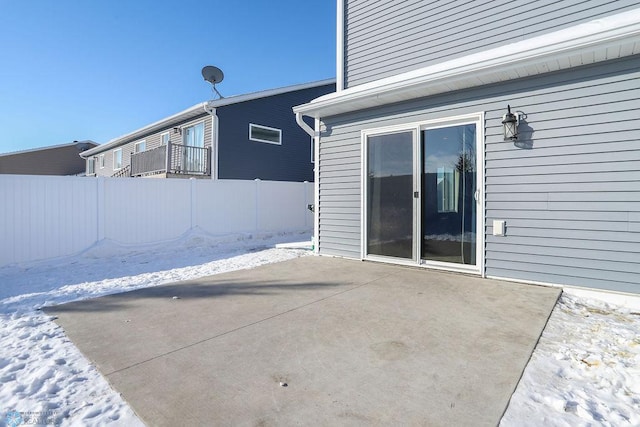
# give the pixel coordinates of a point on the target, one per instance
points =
(265, 134)
(117, 159)
(101, 161)
(139, 146)
(165, 138)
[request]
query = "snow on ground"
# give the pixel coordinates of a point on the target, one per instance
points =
(44, 377)
(584, 371)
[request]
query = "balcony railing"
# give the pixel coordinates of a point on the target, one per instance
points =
(172, 158)
(122, 173)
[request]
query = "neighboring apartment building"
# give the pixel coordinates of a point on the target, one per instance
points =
(252, 136)
(414, 166)
(61, 159)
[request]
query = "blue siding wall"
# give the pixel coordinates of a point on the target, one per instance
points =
(240, 158)
(570, 197)
(388, 37)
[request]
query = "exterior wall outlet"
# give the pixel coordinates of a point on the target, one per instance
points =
(499, 227)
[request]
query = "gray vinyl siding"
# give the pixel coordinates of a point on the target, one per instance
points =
(57, 160)
(241, 158)
(384, 38)
(151, 141)
(571, 203)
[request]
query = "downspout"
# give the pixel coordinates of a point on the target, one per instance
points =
(315, 136)
(308, 129)
(214, 139)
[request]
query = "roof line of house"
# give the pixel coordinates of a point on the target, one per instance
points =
(50, 147)
(607, 38)
(198, 110)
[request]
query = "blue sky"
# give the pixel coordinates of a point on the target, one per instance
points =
(98, 69)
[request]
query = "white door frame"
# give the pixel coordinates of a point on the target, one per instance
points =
(416, 128)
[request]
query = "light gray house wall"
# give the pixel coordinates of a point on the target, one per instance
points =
(384, 38)
(571, 201)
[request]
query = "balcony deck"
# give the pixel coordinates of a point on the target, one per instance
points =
(172, 159)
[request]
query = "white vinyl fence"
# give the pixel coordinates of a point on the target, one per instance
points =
(46, 216)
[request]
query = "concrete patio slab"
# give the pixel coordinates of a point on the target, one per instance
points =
(357, 343)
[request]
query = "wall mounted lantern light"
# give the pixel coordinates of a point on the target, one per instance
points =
(177, 130)
(510, 123)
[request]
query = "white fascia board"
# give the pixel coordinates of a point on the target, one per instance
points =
(196, 110)
(591, 41)
(266, 93)
(199, 110)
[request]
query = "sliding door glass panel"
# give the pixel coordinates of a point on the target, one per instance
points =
(448, 194)
(390, 195)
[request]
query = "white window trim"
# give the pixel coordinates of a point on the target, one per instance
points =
(313, 150)
(101, 161)
(114, 159)
(137, 144)
(162, 136)
(267, 128)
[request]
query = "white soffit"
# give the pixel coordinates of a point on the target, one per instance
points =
(608, 38)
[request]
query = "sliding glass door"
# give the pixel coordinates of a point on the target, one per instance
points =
(422, 194)
(390, 203)
(449, 184)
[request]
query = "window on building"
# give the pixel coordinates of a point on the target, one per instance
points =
(165, 138)
(91, 166)
(139, 146)
(117, 159)
(101, 161)
(447, 181)
(265, 134)
(313, 150)
(193, 136)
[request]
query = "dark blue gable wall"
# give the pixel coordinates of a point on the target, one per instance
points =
(240, 158)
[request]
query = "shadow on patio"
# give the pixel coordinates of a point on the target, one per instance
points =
(357, 343)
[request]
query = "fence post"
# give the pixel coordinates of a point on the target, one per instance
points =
(100, 206)
(192, 185)
(168, 159)
(257, 181)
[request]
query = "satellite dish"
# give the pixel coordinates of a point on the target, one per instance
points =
(212, 74)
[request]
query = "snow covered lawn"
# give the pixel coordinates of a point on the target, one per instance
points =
(585, 370)
(44, 376)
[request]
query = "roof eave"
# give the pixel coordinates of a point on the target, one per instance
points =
(51, 147)
(199, 110)
(191, 112)
(582, 44)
